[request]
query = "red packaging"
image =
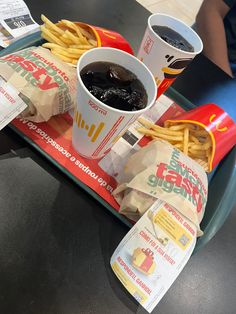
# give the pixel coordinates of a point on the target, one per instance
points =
(218, 124)
(108, 38)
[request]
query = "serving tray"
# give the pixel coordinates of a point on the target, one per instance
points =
(222, 181)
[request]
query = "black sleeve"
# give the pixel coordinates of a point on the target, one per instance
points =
(230, 3)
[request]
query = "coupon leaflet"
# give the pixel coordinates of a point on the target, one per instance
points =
(11, 105)
(153, 253)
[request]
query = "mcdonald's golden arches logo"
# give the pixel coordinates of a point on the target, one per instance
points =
(217, 123)
(107, 33)
(93, 131)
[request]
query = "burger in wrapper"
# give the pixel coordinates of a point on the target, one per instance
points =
(161, 171)
(45, 83)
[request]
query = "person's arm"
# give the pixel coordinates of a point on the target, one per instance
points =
(210, 27)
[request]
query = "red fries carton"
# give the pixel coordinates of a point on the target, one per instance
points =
(218, 124)
(108, 38)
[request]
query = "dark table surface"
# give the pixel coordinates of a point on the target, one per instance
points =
(56, 242)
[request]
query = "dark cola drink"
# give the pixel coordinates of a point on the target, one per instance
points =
(114, 85)
(173, 38)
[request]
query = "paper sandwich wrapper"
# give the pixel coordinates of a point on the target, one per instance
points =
(45, 83)
(161, 171)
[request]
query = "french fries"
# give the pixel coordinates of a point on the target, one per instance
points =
(67, 40)
(191, 139)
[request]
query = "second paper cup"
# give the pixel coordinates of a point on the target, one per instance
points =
(96, 126)
(165, 61)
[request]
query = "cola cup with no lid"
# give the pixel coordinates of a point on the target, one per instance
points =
(165, 61)
(97, 126)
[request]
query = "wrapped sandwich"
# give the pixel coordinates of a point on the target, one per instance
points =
(161, 171)
(45, 83)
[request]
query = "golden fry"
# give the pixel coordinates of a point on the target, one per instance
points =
(161, 130)
(191, 139)
(209, 152)
(52, 46)
(200, 133)
(66, 40)
(47, 38)
(75, 61)
(204, 146)
(197, 153)
(77, 29)
(51, 25)
(84, 32)
(93, 42)
(63, 58)
(161, 139)
(186, 140)
(84, 41)
(163, 136)
(145, 122)
(158, 128)
(194, 139)
(181, 127)
(52, 37)
(179, 146)
(73, 26)
(64, 52)
(53, 32)
(72, 37)
(75, 50)
(66, 35)
(85, 47)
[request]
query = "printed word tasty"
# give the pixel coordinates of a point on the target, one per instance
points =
(38, 72)
(171, 181)
(174, 178)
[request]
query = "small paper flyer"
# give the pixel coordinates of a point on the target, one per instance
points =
(15, 21)
(11, 105)
(153, 253)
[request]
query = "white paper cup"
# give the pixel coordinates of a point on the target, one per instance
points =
(96, 126)
(165, 61)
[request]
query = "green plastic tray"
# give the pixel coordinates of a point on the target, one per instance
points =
(222, 181)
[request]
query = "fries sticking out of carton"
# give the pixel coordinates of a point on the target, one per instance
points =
(206, 134)
(69, 40)
(191, 139)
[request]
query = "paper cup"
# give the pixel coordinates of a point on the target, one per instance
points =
(108, 38)
(96, 126)
(165, 61)
(218, 124)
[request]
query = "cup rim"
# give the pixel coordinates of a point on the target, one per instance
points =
(152, 101)
(194, 53)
